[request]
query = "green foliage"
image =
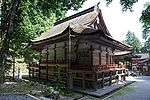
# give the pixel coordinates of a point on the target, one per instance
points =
(27, 21)
(146, 47)
(126, 4)
(50, 89)
(132, 40)
(145, 19)
(33, 17)
(23, 87)
(59, 84)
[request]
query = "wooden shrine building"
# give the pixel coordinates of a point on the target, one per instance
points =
(82, 45)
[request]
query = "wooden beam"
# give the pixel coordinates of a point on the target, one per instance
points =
(106, 42)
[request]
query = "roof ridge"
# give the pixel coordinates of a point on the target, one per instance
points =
(75, 15)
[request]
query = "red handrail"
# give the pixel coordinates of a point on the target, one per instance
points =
(108, 66)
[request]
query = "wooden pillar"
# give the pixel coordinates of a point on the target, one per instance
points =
(107, 56)
(39, 65)
(29, 72)
(102, 79)
(83, 80)
(95, 80)
(100, 56)
(110, 59)
(65, 52)
(47, 64)
(39, 72)
(70, 80)
(131, 63)
(55, 53)
(91, 51)
(110, 79)
(32, 72)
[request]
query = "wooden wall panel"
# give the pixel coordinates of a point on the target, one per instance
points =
(81, 53)
(43, 54)
(103, 55)
(60, 44)
(60, 54)
(51, 54)
(96, 57)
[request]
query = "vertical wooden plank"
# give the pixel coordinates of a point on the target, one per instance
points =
(70, 80)
(65, 52)
(110, 79)
(32, 72)
(47, 63)
(91, 51)
(83, 80)
(29, 72)
(106, 55)
(39, 65)
(95, 82)
(39, 72)
(102, 79)
(110, 59)
(55, 53)
(100, 58)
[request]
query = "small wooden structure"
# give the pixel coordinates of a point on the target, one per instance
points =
(141, 63)
(82, 45)
(124, 57)
(144, 66)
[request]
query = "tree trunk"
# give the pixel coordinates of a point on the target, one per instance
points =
(6, 32)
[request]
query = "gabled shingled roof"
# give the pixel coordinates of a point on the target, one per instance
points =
(82, 22)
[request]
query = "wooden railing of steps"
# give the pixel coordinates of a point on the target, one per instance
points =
(107, 67)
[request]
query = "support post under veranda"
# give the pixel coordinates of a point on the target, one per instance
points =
(70, 80)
